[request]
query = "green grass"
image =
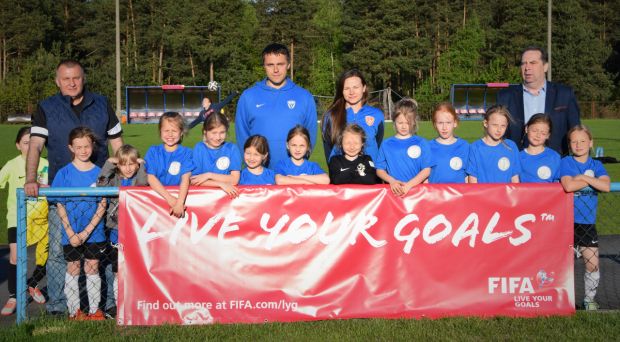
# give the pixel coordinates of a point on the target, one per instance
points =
(142, 136)
(601, 326)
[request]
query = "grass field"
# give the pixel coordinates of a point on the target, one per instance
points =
(143, 136)
(599, 326)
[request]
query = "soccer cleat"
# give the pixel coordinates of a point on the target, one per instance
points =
(97, 316)
(9, 307)
(36, 294)
(78, 316)
(590, 306)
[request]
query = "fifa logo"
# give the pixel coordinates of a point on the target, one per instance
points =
(510, 285)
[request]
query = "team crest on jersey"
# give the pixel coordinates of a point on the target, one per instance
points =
(222, 163)
(589, 173)
(291, 104)
(503, 163)
(361, 170)
(175, 168)
(414, 151)
(369, 120)
(543, 172)
(456, 163)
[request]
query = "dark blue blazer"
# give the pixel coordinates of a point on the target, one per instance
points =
(560, 104)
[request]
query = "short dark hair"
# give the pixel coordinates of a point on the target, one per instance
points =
(69, 63)
(276, 49)
(543, 53)
(20, 134)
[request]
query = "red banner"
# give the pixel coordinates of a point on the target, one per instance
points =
(281, 253)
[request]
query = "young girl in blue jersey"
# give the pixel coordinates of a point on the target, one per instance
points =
(585, 177)
(404, 160)
(217, 162)
(83, 235)
(539, 164)
(170, 163)
(297, 169)
(494, 159)
(255, 156)
(124, 169)
(353, 167)
(450, 153)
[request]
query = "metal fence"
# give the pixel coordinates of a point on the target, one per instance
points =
(94, 288)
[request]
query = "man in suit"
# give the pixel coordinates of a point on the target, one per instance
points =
(537, 95)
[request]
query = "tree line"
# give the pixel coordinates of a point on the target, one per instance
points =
(417, 48)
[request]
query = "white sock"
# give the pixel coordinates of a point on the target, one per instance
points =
(116, 288)
(93, 287)
(72, 291)
(591, 280)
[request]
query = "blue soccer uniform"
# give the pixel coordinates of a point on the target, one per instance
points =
(286, 167)
(586, 200)
(80, 210)
(403, 159)
(493, 164)
(168, 167)
(272, 113)
(268, 177)
(541, 168)
(450, 161)
(222, 160)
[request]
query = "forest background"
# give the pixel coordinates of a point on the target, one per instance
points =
(416, 48)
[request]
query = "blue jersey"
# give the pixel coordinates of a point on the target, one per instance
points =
(272, 113)
(493, 164)
(80, 210)
(268, 177)
(586, 200)
(541, 168)
(371, 121)
(403, 159)
(113, 236)
(168, 167)
(450, 161)
(222, 160)
(286, 167)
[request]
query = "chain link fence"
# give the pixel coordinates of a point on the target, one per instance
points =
(66, 278)
(75, 258)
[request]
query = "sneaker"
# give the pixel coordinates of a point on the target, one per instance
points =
(97, 316)
(9, 307)
(110, 313)
(36, 294)
(78, 316)
(590, 306)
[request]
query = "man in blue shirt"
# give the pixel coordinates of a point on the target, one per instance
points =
(537, 95)
(273, 106)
